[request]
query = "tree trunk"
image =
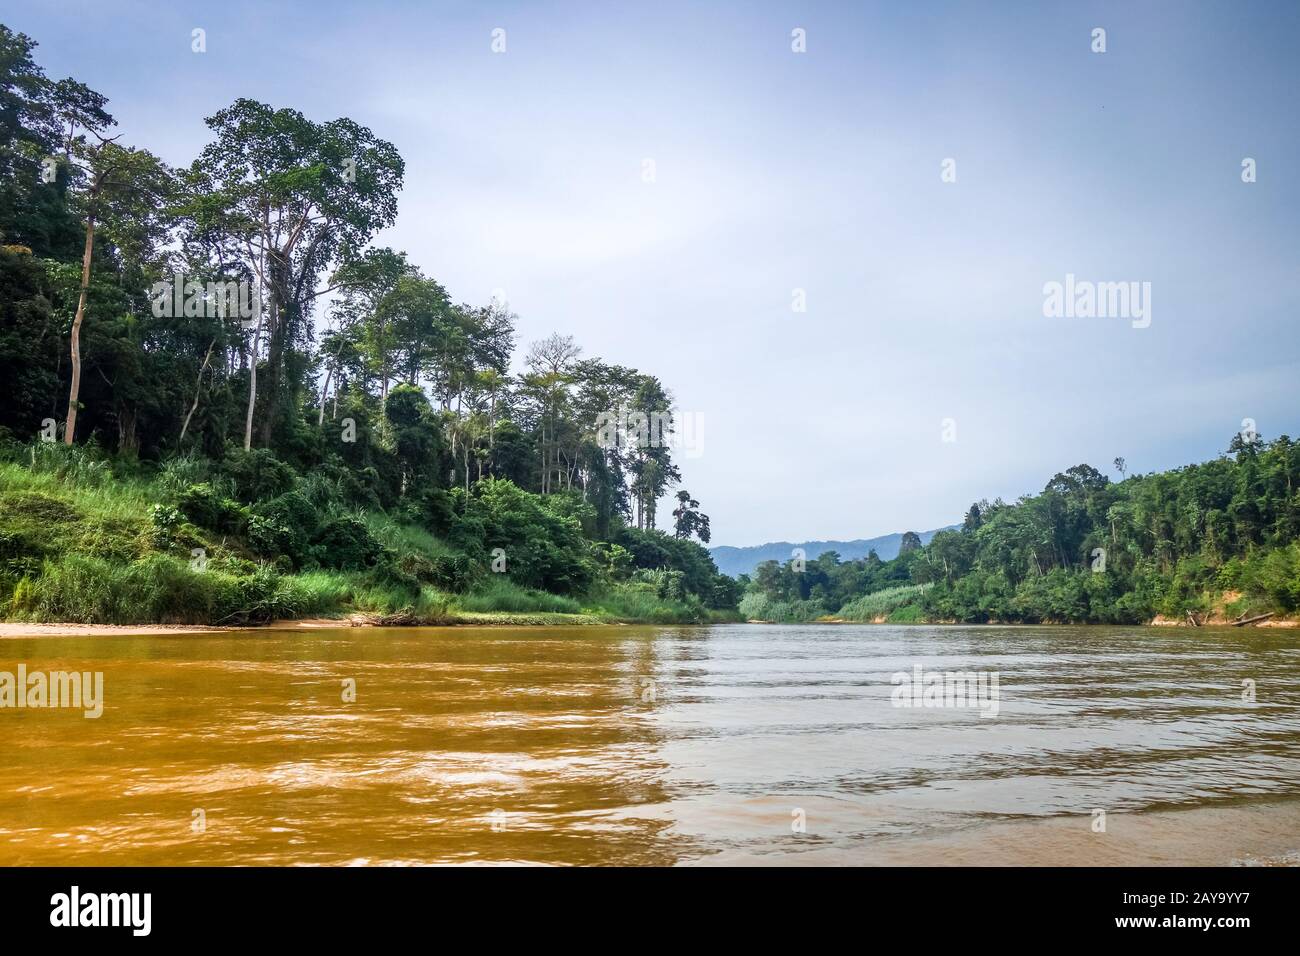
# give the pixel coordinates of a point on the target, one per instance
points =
(275, 346)
(71, 426)
(263, 309)
(198, 390)
(283, 318)
(324, 392)
(126, 437)
(252, 386)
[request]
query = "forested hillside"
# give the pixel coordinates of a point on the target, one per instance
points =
(1221, 536)
(744, 560)
(225, 403)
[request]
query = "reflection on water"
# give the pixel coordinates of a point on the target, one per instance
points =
(657, 746)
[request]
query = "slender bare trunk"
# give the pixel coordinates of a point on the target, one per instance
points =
(198, 390)
(252, 387)
(325, 390)
(252, 355)
(71, 426)
(546, 459)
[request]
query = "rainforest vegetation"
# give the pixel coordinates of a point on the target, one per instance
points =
(225, 403)
(1222, 536)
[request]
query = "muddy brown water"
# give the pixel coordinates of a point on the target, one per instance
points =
(658, 745)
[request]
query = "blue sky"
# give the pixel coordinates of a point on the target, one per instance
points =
(819, 171)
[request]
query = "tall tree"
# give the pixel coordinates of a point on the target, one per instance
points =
(295, 198)
(550, 366)
(689, 520)
(127, 190)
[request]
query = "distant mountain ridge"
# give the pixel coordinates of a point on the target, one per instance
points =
(735, 561)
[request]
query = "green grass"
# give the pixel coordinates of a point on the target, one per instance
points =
(155, 589)
(405, 538)
(898, 605)
(79, 544)
(632, 603)
(501, 594)
(515, 619)
(321, 592)
(908, 614)
(43, 514)
(756, 606)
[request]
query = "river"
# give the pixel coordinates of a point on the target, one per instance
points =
(659, 745)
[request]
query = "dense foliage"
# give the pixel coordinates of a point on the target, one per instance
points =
(1215, 538)
(219, 391)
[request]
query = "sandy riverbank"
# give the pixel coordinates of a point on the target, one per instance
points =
(465, 619)
(16, 629)
(85, 630)
(19, 629)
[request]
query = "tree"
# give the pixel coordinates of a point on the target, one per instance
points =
(651, 467)
(911, 542)
(292, 198)
(34, 213)
(416, 437)
(288, 206)
(355, 317)
(688, 519)
(550, 364)
(126, 189)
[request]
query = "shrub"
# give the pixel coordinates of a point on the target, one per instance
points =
(755, 606)
(177, 474)
(452, 572)
(202, 505)
(82, 465)
(166, 522)
(543, 550)
(156, 588)
(345, 542)
(285, 525)
(257, 475)
(1277, 577)
(639, 602)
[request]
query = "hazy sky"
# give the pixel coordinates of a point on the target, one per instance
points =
(819, 171)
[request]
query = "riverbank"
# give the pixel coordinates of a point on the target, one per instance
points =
(502, 619)
(1227, 608)
(80, 544)
(488, 619)
(16, 629)
(1158, 621)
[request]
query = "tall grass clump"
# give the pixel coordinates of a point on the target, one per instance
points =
(155, 589)
(501, 594)
(886, 604)
(321, 592)
(641, 603)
